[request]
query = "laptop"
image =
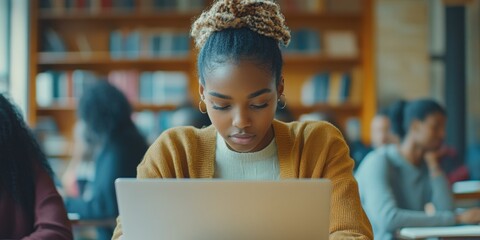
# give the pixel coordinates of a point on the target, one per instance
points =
(210, 209)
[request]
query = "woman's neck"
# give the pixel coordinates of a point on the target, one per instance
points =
(411, 152)
(266, 140)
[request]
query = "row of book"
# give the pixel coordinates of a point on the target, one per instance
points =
(151, 123)
(303, 41)
(99, 6)
(320, 6)
(328, 87)
(152, 87)
(52, 41)
(124, 43)
(315, 6)
(332, 43)
(63, 88)
(148, 43)
(171, 87)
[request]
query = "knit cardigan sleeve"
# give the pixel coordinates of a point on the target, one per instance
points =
(324, 145)
(347, 217)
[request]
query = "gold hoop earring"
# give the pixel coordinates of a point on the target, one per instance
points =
(284, 101)
(200, 105)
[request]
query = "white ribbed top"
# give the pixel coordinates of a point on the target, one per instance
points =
(261, 165)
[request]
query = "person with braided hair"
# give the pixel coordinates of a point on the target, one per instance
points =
(241, 86)
(30, 206)
(116, 147)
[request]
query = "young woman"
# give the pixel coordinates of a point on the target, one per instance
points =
(398, 181)
(117, 148)
(30, 206)
(241, 85)
(381, 130)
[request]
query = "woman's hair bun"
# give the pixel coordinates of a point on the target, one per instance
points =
(261, 16)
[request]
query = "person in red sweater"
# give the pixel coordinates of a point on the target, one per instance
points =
(30, 206)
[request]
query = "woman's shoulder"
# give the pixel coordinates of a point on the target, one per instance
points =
(307, 127)
(377, 161)
(186, 135)
(311, 135)
(318, 131)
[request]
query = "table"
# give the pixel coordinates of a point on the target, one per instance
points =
(467, 196)
(448, 232)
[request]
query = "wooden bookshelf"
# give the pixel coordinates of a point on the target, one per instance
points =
(316, 62)
(72, 108)
(98, 25)
(299, 68)
(103, 61)
(324, 20)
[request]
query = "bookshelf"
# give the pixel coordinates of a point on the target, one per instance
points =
(86, 35)
(355, 23)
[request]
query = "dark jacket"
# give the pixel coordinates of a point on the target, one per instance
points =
(118, 158)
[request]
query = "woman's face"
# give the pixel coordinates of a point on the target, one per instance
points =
(430, 133)
(241, 100)
(380, 131)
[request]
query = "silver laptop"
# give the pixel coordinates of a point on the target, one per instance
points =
(211, 209)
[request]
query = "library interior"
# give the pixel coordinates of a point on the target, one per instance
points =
(381, 97)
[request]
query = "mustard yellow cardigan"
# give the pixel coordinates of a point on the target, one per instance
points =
(305, 150)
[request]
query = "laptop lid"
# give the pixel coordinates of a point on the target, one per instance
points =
(187, 209)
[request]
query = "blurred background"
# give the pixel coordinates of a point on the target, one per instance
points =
(348, 59)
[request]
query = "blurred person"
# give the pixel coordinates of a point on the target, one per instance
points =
(116, 146)
(284, 114)
(358, 149)
(188, 115)
(79, 167)
(380, 129)
(397, 182)
(30, 206)
(448, 159)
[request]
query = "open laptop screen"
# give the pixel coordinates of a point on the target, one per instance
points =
(190, 209)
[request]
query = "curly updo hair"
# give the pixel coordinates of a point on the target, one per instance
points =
(235, 30)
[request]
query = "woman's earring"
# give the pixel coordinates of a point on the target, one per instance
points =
(200, 105)
(284, 101)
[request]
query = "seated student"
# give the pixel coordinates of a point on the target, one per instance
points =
(381, 134)
(448, 159)
(187, 115)
(397, 181)
(30, 206)
(380, 129)
(241, 83)
(79, 168)
(117, 148)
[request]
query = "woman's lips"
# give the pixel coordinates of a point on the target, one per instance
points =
(242, 139)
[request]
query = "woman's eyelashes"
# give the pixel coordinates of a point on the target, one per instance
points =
(225, 107)
(221, 108)
(259, 106)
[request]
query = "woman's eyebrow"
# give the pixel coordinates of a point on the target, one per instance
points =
(219, 95)
(259, 92)
(252, 95)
